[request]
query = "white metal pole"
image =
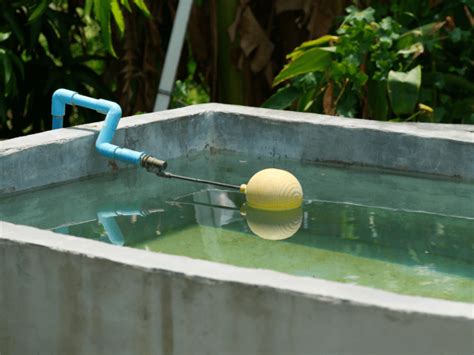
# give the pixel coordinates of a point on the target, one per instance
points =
(173, 54)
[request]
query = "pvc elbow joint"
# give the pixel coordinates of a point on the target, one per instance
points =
(61, 97)
(114, 108)
(113, 112)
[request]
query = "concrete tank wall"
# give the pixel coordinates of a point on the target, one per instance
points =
(65, 295)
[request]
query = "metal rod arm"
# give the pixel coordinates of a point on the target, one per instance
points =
(201, 181)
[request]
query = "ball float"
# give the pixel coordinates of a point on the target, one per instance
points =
(273, 190)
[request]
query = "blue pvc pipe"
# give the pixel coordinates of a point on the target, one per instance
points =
(113, 112)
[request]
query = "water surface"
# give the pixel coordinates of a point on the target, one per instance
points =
(404, 234)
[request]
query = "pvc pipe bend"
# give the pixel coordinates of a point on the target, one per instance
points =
(113, 112)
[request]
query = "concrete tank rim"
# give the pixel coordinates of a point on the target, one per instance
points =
(457, 132)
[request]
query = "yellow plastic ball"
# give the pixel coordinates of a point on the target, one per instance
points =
(273, 190)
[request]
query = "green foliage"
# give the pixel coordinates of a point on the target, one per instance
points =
(45, 45)
(403, 90)
(283, 98)
(377, 99)
(312, 60)
(388, 62)
(104, 10)
(189, 91)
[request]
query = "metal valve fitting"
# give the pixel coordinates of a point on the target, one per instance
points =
(153, 164)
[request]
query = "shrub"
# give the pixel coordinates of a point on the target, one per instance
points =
(400, 67)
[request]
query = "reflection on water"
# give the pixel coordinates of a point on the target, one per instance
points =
(213, 208)
(403, 234)
(273, 225)
(218, 208)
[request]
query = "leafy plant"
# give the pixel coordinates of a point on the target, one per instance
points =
(105, 10)
(375, 67)
(192, 90)
(49, 44)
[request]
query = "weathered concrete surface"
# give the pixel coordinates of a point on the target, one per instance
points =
(68, 154)
(442, 150)
(65, 295)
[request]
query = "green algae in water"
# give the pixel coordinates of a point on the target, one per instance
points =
(404, 234)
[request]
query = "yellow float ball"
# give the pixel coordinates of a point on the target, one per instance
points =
(273, 190)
